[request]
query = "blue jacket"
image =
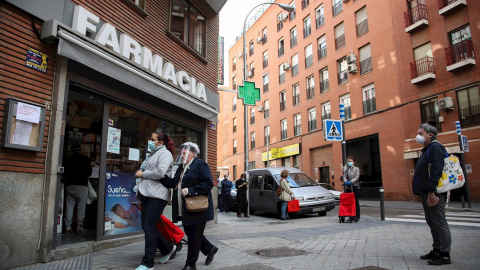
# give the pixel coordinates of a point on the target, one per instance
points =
(422, 181)
(226, 185)
(198, 180)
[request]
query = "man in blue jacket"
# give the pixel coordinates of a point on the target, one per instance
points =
(428, 170)
(226, 194)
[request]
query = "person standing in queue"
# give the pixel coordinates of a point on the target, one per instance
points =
(153, 196)
(242, 202)
(193, 178)
(226, 194)
(351, 176)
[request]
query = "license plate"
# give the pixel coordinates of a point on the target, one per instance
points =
(318, 209)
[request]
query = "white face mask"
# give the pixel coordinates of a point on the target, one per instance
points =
(420, 139)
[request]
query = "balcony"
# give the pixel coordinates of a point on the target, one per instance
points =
(264, 39)
(416, 18)
(324, 86)
(337, 8)
(297, 130)
(292, 14)
(252, 120)
(340, 42)
(470, 115)
(369, 106)
(234, 150)
(305, 4)
(283, 105)
(320, 21)
(449, 6)
(310, 92)
(312, 125)
(283, 133)
(265, 63)
(265, 88)
(322, 53)
(365, 66)
(281, 78)
(342, 77)
(281, 51)
(252, 145)
(251, 51)
(309, 61)
(294, 70)
(422, 70)
(234, 67)
(460, 56)
(362, 28)
(279, 26)
(296, 99)
(307, 31)
(293, 42)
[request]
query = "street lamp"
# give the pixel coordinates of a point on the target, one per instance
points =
(262, 109)
(245, 106)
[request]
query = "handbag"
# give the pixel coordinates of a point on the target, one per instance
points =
(293, 206)
(91, 194)
(196, 204)
(452, 173)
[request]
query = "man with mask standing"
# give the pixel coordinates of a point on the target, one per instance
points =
(351, 175)
(242, 203)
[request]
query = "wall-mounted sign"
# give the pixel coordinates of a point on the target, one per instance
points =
(282, 152)
(36, 60)
(221, 67)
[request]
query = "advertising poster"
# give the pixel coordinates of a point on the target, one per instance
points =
(36, 60)
(113, 140)
(120, 215)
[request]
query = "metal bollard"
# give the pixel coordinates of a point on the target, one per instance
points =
(382, 204)
(463, 201)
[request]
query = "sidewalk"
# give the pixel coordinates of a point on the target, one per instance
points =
(308, 242)
(454, 206)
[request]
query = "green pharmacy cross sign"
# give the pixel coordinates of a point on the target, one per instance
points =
(249, 93)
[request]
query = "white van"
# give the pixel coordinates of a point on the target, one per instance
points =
(263, 184)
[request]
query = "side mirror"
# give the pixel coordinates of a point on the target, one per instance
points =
(269, 187)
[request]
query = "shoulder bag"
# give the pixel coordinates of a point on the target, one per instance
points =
(452, 173)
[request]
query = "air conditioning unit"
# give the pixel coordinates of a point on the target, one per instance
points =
(259, 39)
(352, 68)
(286, 66)
(240, 55)
(351, 59)
(445, 103)
(282, 17)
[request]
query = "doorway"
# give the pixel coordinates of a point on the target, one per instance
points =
(325, 175)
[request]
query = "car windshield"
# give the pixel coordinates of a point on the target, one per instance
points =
(327, 187)
(298, 180)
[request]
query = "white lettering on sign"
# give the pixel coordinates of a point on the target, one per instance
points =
(86, 22)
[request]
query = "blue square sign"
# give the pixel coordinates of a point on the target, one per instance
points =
(332, 130)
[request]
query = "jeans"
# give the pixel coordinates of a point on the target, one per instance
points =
(436, 220)
(284, 212)
(152, 209)
(75, 195)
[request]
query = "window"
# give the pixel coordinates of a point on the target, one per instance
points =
(293, 37)
(139, 3)
(326, 111)
(234, 125)
(265, 59)
(265, 83)
(292, 14)
(252, 140)
(252, 69)
(281, 48)
(295, 161)
(310, 87)
(234, 83)
(423, 61)
(251, 48)
(319, 15)
(234, 106)
(461, 45)
(308, 56)
(296, 94)
(342, 71)
(267, 134)
(286, 162)
(280, 19)
(337, 7)
(283, 129)
(188, 25)
(252, 116)
(264, 35)
(297, 125)
(305, 3)
(234, 146)
(312, 119)
(266, 107)
(345, 99)
(294, 65)
(234, 171)
(339, 36)
(234, 65)
(365, 59)
(251, 165)
(307, 28)
(469, 106)
(369, 105)
(324, 85)
(281, 77)
(362, 22)
(429, 110)
(283, 101)
(322, 47)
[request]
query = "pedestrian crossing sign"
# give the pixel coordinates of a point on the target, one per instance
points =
(333, 130)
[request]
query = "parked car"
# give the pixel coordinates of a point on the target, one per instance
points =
(263, 184)
(336, 193)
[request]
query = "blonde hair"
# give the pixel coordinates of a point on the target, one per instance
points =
(284, 174)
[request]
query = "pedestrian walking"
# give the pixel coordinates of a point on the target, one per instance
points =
(242, 202)
(351, 174)
(428, 170)
(285, 195)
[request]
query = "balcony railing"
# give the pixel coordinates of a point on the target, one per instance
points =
(234, 129)
(234, 86)
(459, 52)
(421, 67)
(266, 113)
(369, 106)
(342, 77)
(297, 130)
(337, 8)
(265, 88)
(309, 61)
(252, 120)
(281, 78)
(234, 67)
(435, 117)
(293, 42)
(265, 63)
(320, 21)
(470, 115)
(296, 99)
(415, 14)
(252, 145)
(340, 42)
(283, 133)
(326, 116)
(283, 105)
(310, 92)
(312, 125)
(279, 26)
(324, 86)
(362, 28)
(294, 70)
(365, 66)
(322, 53)
(305, 4)
(234, 107)
(307, 31)
(234, 150)
(292, 14)
(348, 113)
(281, 50)
(264, 39)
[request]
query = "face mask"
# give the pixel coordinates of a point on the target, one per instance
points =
(420, 139)
(151, 145)
(243, 179)
(350, 164)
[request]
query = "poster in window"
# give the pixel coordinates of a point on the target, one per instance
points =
(113, 140)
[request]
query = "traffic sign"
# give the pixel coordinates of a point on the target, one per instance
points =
(333, 130)
(465, 143)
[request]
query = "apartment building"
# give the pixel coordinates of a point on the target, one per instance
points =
(393, 66)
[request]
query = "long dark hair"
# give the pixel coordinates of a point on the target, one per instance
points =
(167, 141)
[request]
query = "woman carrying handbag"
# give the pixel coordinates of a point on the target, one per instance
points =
(286, 194)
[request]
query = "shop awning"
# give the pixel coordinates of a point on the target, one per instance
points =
(88, 54)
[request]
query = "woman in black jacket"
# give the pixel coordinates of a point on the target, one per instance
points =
(192, 178)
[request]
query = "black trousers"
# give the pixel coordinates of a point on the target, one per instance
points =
(225, 196)
(356, 191)
(242, 203)
(196, 242)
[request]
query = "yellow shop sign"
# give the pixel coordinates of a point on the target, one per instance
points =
(286, 151)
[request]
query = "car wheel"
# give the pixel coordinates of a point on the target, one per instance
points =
(322, 214)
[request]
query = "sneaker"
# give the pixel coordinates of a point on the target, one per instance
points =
(68, 230)
(247, 216)
(239, 215)
(80, 229)
(430, 256)
(440, 260)
(143, 267)
(171, 254)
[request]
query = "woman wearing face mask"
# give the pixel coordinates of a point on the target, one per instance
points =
(154, 196)
(351, 175)
(428, 170)
(193, 177)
